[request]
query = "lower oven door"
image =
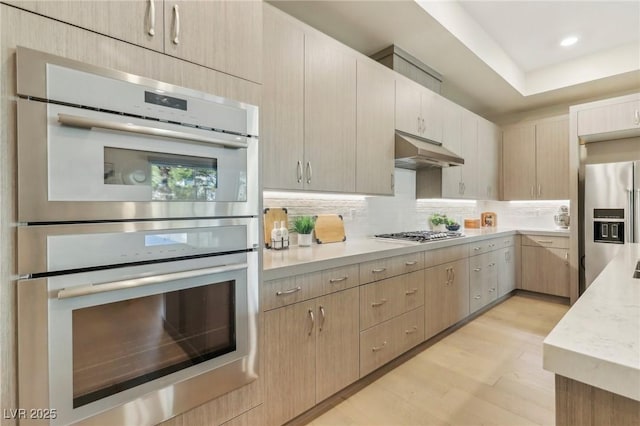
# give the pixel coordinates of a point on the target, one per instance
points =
(120, 346)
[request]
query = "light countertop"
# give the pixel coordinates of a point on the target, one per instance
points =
(301, 260)
(597, 342)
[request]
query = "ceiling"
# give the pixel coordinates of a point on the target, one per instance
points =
(497, 58)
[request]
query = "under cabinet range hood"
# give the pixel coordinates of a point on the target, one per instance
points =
(413, 152)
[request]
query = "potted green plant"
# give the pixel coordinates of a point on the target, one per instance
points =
(304, 225)
(438, 222)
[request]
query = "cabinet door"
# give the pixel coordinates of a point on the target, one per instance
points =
(223, 35)
(290, 361)
(375, 129)
(446, 296)
(330, 117)
(488, 160)
(408, 106)
(506, 271)
(491, 279)
(431, 113)
(477, 282)
(458, 296)
(552, 160)
(452, 140)
(518, 162)
(545, 270)
(609, 118)
(135, 21)
(338, 346)
(282, 112)
(469, 171)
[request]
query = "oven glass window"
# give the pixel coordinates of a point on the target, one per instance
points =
(170, 177)
(117, 346)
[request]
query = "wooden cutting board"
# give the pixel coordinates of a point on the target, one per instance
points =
(329, 229)
(272, 215)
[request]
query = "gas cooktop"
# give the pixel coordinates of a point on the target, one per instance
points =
(420, 236)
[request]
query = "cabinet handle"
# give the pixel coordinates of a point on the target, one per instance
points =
(448, 276)
(491, 265)
(539, 190)
(410, 292)
(424, 128)
(637, 115)
(545, 241)
(419, 126)
(491, 290)
(292, 290)
(377, 348)
(152, 18)
(478, 269)
(411, 262)
(477, 297)
(313, 321)
(299, 171)
(380, 303)
(411, 330)
(453, 274)
(378, 270)
(337, 280)
(322, 316)
(309, 171)
(531, 191)
(176, 22)
(477, 248)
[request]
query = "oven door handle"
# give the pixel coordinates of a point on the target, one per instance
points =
(85, 290)
(89, 123)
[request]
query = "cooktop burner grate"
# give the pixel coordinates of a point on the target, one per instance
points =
(421, 236)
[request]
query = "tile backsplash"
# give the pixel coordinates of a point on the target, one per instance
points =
(365, 216)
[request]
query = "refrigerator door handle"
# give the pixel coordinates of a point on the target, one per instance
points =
(635, 218)
(632, 218)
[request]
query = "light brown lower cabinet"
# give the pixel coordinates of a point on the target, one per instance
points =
(446, 296)
(506, 270)
(483, 280)
(311, 352)
(545, 270)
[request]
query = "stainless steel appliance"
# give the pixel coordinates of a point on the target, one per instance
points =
(99, 144)
(135, 322)
(137, 244)
(419, 236)
(612, 212)
(413, 152)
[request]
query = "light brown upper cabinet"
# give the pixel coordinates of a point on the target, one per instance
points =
(375, 129)
(223, 35)
(282, 113)
(134, 21)
(488, 164)
(460, 135)
(535, 160)
(330, 116)
(418, 110)
(621, 115)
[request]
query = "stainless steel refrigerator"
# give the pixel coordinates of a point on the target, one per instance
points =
(612, 210)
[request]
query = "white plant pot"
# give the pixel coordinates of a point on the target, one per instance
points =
(304, 240)
(439, 228)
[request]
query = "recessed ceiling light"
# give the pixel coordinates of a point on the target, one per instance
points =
(569, 41)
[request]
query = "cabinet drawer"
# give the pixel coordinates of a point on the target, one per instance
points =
(544, 241)
(378, 345)
(285, 291)
(445, 255)
(391, 266)
(410, 329)
(505, 242)
(389, 298)
(340, 278)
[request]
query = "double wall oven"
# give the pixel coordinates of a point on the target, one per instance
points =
(137, 244)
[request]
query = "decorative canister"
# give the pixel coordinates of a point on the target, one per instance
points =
(562, 218)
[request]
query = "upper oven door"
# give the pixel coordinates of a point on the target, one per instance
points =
(99, 144)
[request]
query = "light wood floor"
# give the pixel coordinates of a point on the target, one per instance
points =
(488, 372)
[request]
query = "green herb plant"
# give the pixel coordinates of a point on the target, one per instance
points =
(303, 224)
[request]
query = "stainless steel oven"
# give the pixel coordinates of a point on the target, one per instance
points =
(134, 322)
(97, 144)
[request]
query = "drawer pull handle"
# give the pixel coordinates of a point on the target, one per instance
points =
(478, 269)
(477, 248)
(412, 291)
(380, 303)
(492, 245)
(491, 265)
(545, 241)
(411, 263)
(292, 290)
(477, 297)
(412, 330)
(337, 280)
(491, 290)
(378, 270)
(378, 348)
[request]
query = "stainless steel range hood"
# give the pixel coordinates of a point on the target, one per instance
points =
(413, 152)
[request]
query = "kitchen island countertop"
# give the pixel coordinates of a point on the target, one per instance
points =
(597, 342)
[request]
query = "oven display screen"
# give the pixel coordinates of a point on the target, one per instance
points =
(164, 239)
(166, 101)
